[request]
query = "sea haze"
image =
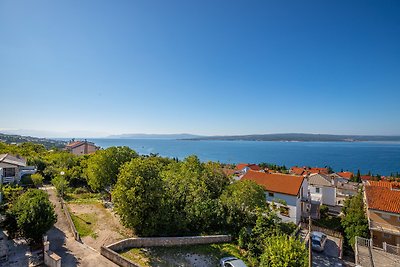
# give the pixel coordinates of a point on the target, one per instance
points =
(378, 157)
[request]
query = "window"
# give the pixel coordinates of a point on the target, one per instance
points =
(317, 190)
(9, 172)
(284, 211)
(385, 216)
(385, 235)
(270, 194)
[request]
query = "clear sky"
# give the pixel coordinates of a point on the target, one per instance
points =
(203, 67)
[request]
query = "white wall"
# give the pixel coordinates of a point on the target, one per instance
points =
(292, 204)
(329, 196)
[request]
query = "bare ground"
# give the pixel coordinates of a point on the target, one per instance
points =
(62, 242)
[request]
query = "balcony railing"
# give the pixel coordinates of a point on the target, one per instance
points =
(384, 227)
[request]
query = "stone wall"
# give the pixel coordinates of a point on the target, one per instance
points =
(168, 241)
(111, 251)
(116, 258)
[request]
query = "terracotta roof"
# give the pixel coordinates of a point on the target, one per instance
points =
(381, 197)
(385, 184)
(276, 182)
(318, 170)
(253, 167)
(75, 144)
(347, 175)
(366, 177)
(10, 159)
(297, 170)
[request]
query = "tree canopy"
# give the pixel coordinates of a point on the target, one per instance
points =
(103, 166)
(31, 216)
(354, 221)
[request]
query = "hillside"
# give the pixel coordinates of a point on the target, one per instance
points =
(17, 139)
(300, 137)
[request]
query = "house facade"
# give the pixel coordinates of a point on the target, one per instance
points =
(382, 200)
(322, 189)
(288, 194)
(13, 168)
(81, 147)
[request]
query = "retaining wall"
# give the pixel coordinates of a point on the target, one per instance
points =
(111, 251)
(69, 220)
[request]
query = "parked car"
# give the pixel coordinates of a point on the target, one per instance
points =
(318, 241)
(231, 262)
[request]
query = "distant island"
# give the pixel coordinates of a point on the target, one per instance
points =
(299, 137)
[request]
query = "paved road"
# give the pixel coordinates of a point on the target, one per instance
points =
(62, 242)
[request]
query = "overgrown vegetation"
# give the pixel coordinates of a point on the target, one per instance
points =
(354, 221)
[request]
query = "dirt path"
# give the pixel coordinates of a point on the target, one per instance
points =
(62, 242)
(108, 228)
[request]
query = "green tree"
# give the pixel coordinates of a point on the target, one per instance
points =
(37, 179)
(103, 166)
(31, 216)
(61, 184)
(138, 196)
(354, 221)
(192, 191)
(283, 251)
(240, 200)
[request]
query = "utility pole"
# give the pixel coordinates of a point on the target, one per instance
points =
(309, 242)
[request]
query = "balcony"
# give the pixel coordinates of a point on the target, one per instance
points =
(384, 227)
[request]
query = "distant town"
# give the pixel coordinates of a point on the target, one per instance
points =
(120, 208)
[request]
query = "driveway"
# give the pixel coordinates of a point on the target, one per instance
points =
(62, 242)
(330, 256)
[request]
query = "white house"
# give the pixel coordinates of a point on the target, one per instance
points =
(322, 189)
(13, 168)
(288, 193)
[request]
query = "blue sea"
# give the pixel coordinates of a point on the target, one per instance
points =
(378, 157)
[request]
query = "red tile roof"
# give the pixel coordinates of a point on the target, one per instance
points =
(318, 170)
(347, 175)
(297, 170)
(384, 196)
(276, 182)
(74, 144)
(253, 167)
(366, 177)
(306, 170)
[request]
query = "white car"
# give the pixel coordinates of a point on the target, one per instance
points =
(231, 262)
(318, 241)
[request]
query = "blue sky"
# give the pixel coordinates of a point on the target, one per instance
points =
(205, 67)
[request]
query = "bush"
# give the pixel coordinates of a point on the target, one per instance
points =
(80, 190)
(282, 251)
(37, 179)
(323, 210)
(31, 216)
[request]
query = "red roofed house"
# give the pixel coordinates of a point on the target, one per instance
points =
(288, 192)
(307, 170)
(81, 147)
(244, 167)
(382, 199)
(346, 175)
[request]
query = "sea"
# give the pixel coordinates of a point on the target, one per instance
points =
(376, 157)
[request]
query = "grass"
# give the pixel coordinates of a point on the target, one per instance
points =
(85, 224)
(170, 256)
(83, 198)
